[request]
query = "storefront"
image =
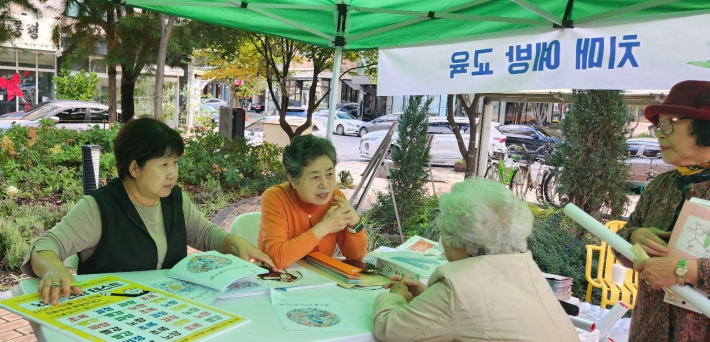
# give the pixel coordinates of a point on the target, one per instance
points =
(28, 63)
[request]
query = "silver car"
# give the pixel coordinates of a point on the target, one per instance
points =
(75, 115)
(380, 124)
(215, 103)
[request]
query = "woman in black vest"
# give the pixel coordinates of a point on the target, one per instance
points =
(139, 221)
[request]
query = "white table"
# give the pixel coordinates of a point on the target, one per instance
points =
(265, 324)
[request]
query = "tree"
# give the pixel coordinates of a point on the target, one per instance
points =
(592, 155)
(132, 40)
(410, 155)
(166, 28)
(467, 152)
(85, 25)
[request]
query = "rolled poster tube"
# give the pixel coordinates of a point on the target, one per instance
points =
(624, 247)
(614, 315)
(582, 323)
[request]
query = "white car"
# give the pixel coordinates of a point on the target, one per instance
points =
(444, 148)
(254, 132)
(69, 114)
(215, 103)
(344, 123)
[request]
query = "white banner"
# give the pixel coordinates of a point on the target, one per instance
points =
(612, 55)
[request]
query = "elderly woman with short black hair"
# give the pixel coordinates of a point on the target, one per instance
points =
(491, 289)
(308, 213)
(139, 221)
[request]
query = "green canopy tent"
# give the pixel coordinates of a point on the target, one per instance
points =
(371, 24)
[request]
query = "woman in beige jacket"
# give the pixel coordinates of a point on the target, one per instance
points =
(491, 290)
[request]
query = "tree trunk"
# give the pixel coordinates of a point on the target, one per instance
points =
(128, 88)
(111, 43)
(112, 74)
(165, 31)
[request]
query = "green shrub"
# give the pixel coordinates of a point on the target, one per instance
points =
(236, 165)
(46, 161)
(13, 244)
(26, 223)
(345, 180)
(80, 86)
(556, 248)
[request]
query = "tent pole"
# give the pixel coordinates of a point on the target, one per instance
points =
(485, 136)
(334, 90)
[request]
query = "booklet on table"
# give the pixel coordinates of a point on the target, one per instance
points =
(293, 278)
(213, 269)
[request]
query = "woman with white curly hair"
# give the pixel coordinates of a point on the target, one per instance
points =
(491, 289)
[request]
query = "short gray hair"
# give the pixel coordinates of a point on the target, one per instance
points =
(484, 218)
(303, 150)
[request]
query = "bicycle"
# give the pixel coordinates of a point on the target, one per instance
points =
(497, 171)
(522, 177)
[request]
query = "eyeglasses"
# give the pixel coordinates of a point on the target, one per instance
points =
(665, 126)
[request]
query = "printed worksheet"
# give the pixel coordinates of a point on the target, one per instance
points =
(115, 309)
(310, 313)
(187, 290)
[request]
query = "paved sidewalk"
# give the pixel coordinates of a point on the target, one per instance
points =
(14, 328)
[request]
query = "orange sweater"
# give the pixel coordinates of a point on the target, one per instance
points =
(285, 232)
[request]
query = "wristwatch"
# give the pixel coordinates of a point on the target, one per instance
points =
(680, 271)
(357, 228)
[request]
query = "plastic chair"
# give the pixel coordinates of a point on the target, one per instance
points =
(611, 293)
(246, 226)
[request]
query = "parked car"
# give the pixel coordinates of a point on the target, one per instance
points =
(647, 147)
(299, 112)
(215, 103)
(258, 108)
(254, 132)
(644, 169)
(21, 113)
(444, 147)
(348, 107)
(344, 123)
(531, 137)
(381, 123)
(76, 115)
(209, 111)
(645, 161)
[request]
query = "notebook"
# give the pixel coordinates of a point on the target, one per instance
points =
(213, 269)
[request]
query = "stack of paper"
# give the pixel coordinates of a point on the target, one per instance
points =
(561, 286)
(213, 269)
(347, 273)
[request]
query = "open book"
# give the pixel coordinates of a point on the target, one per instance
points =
(293, 278)
(690, 239)
(213, 269)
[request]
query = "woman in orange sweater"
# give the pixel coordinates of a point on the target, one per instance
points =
(308, 213)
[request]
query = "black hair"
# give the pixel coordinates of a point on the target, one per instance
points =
(700, 129)
(143, 139)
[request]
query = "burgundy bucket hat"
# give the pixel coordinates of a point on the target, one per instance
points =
(688, 99)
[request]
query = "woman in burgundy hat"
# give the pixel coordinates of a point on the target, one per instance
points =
(682, 126)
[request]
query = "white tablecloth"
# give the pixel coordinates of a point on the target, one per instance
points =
(265, 324)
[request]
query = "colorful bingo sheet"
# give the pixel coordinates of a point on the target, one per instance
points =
(115, 309)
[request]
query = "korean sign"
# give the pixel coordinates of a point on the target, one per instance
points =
(650, 55)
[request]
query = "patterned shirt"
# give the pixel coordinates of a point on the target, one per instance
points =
(652, 319)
